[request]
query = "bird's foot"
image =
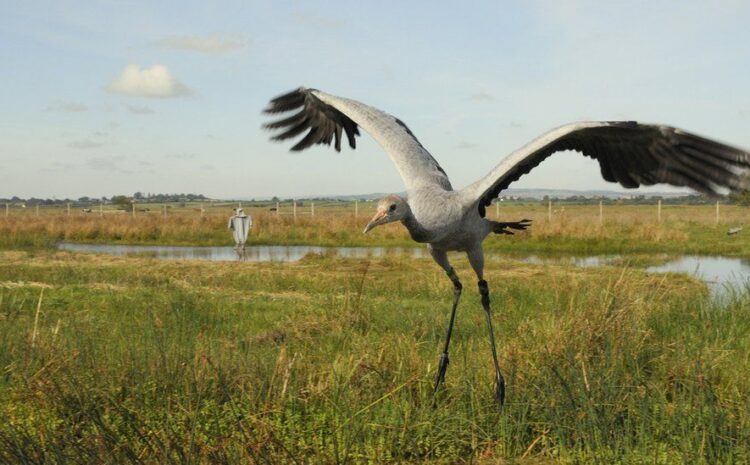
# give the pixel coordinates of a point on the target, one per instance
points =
(440, 376)
(442, 368)
(499, 389)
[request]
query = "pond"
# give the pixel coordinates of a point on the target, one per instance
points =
(719, 273)
(254, 253)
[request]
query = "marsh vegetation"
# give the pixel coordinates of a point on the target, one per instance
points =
(331, 359)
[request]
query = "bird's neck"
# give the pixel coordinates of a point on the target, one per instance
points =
(416, 231)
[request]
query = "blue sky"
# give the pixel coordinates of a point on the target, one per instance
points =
(102, 98)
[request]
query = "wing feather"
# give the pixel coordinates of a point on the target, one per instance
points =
(327, 118)
(631, 154)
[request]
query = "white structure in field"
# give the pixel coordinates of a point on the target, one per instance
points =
(240, 224)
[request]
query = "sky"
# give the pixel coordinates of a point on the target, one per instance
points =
(114, 97)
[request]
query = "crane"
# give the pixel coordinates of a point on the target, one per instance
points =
(629, 153)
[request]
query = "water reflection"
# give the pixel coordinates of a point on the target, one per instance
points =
(718, 272)
(255, 253)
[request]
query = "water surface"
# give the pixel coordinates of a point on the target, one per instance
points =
(719, 273)
(254, 253)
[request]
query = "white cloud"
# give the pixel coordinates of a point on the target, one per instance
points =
(483, 96)
(212, 45)
(181, 156)
(106, 164)
(69, 107)
(318, 20)
(465, 145)
(140, 110)
(155, 82)
(84, 144)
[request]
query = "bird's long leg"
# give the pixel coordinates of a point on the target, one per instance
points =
(444, 360)
(476, 258)
(484, 292)
(441, 258)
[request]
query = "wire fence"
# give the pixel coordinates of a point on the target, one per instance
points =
(552, 211)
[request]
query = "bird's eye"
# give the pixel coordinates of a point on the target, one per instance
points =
(393, 207)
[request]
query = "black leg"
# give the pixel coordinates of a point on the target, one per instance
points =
(443, 366)
(484, 291)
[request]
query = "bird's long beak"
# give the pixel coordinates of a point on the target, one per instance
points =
(380, 217)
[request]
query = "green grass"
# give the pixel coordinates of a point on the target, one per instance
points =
(331, 360)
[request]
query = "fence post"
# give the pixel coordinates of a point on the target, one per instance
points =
(7, 210)
(294, 208)
(133, 209)
(312, 208)
(717, 212)
(277, 209)
(165, 210)
(497, 208)
(601, 213)
(101, 208)
(37, 209)
(68, 208)
(356, 208)
(658, 211)
(549, 210)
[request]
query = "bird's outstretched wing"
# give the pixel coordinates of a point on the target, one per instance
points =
(630, 153)
(327, 118)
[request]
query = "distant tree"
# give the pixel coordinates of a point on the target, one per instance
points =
(740, 198)
(138, 195)
(121, 201)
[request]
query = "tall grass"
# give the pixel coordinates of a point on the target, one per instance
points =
(576, 229)
(331, 361)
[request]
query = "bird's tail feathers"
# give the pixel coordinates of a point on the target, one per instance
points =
(504, 228)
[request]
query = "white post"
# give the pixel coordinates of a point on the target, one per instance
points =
(165, 210)
(294, 208)
(101, 208)
(134, 209)
(7, 210)
(549, 210)
(277, 209)
(658, 211)
(497, 208)
(717, 212)
(356, 208)
(601, 213)
(68, 208)
(312, 208)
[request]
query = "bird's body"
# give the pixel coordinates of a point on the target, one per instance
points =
(630, 153)
(446, 219)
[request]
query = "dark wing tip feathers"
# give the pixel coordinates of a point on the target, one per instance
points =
(325, 123)
(636, 154)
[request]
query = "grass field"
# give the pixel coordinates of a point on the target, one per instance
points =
(331, 360)
(572, 229)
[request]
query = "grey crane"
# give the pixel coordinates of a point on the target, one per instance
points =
(630, 153)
